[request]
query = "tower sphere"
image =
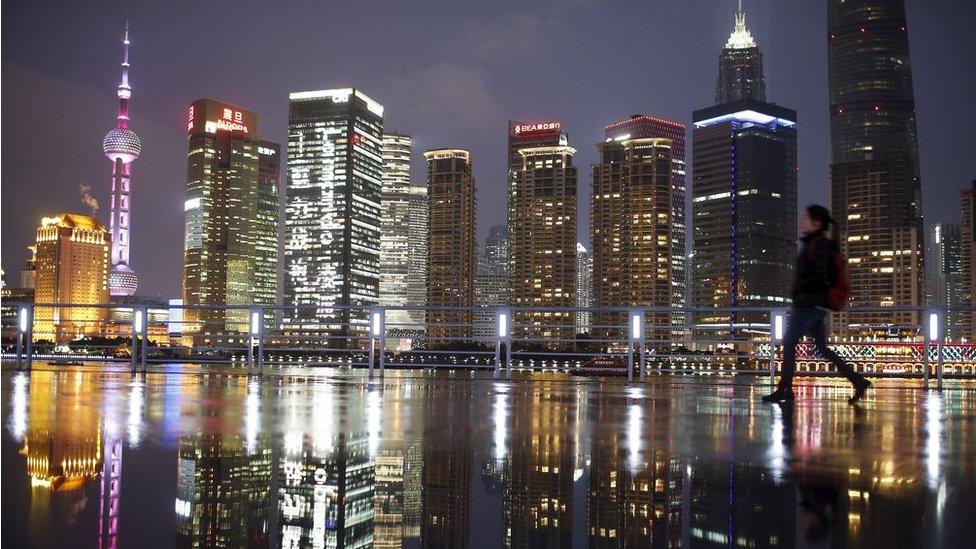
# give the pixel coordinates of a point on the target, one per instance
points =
(122, 144)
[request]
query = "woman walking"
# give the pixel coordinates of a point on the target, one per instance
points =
(816, 274)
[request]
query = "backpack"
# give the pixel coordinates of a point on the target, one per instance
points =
(840, 288)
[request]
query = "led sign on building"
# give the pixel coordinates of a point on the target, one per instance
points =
(522, 128)
(210, 117)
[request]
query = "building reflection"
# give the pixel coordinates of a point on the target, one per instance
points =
(223, 478)
(451, 464)
(446, 475)
(635, 488)
(541, 466)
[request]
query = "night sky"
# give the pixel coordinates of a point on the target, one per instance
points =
(448, 73)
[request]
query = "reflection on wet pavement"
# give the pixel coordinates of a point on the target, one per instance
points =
(95, 458)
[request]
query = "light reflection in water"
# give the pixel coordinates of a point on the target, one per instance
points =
(18, 408)
(374, 419)
(134, 420)
(933, 439)
(635, 426)
(777, 449)
(298, 464)
(252, 415)
(500, 423)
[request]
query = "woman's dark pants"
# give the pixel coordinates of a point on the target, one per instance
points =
(812, 321)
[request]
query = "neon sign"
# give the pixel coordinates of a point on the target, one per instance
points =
(537, 127)
(231, 120)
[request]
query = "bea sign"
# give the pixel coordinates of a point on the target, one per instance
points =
(534, 127)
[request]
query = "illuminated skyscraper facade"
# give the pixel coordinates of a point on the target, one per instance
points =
(740, 65)
(332, 210)
(451, 244)
(640, 126)
(266, 225)
(71, 258)
(874, 174)
(122, 146)
(744, 214)
(542, 241)
(954, 287)
(403, 247)
(631, 232)
(584, 288)
(230, 246)
(965, 296)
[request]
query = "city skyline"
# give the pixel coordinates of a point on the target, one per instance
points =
(795, 65)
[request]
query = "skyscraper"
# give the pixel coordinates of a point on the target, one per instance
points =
(403, 246)
(740, 65)
(935, 275)
(542, 216)
(122, 146)
(491, 281)
(874, 174)
(584, 289)
(266, 225)
(231, 237)
(521, 135)
(71, 257)
(640, 126)
(632, 229)
(965, 317)
(955, 287)
(744, 214)
(451, 244)
(333, 212)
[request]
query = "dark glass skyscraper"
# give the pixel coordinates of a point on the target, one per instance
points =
(874, 174)
(744, 213)
(740, 65)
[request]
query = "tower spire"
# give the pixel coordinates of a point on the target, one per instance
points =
(121, 145)
(125, 91)
(740, 37)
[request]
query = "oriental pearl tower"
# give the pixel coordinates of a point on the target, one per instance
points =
(122, 146)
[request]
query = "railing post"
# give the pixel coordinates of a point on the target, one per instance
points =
(932, 328)
(21, 328)
(635, 331)
(508, 342)
(260, 337)
(930, 333)
(375, 332)
(252, 318)
(28, 329)
(777, 328)
(145, 336)
(136, 328)
(382, 341)
(501, 333)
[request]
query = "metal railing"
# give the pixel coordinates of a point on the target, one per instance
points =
(635, 342)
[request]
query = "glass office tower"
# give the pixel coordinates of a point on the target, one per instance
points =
(333, 212)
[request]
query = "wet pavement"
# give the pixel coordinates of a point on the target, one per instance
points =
(92, 458)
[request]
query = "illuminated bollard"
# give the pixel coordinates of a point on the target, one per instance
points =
(777, 328)
(24, 324)
(145, 338)
(635, 343)
(377, 332)
(136, 329)
(254, 320)
(933, 334)
(502, 337)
